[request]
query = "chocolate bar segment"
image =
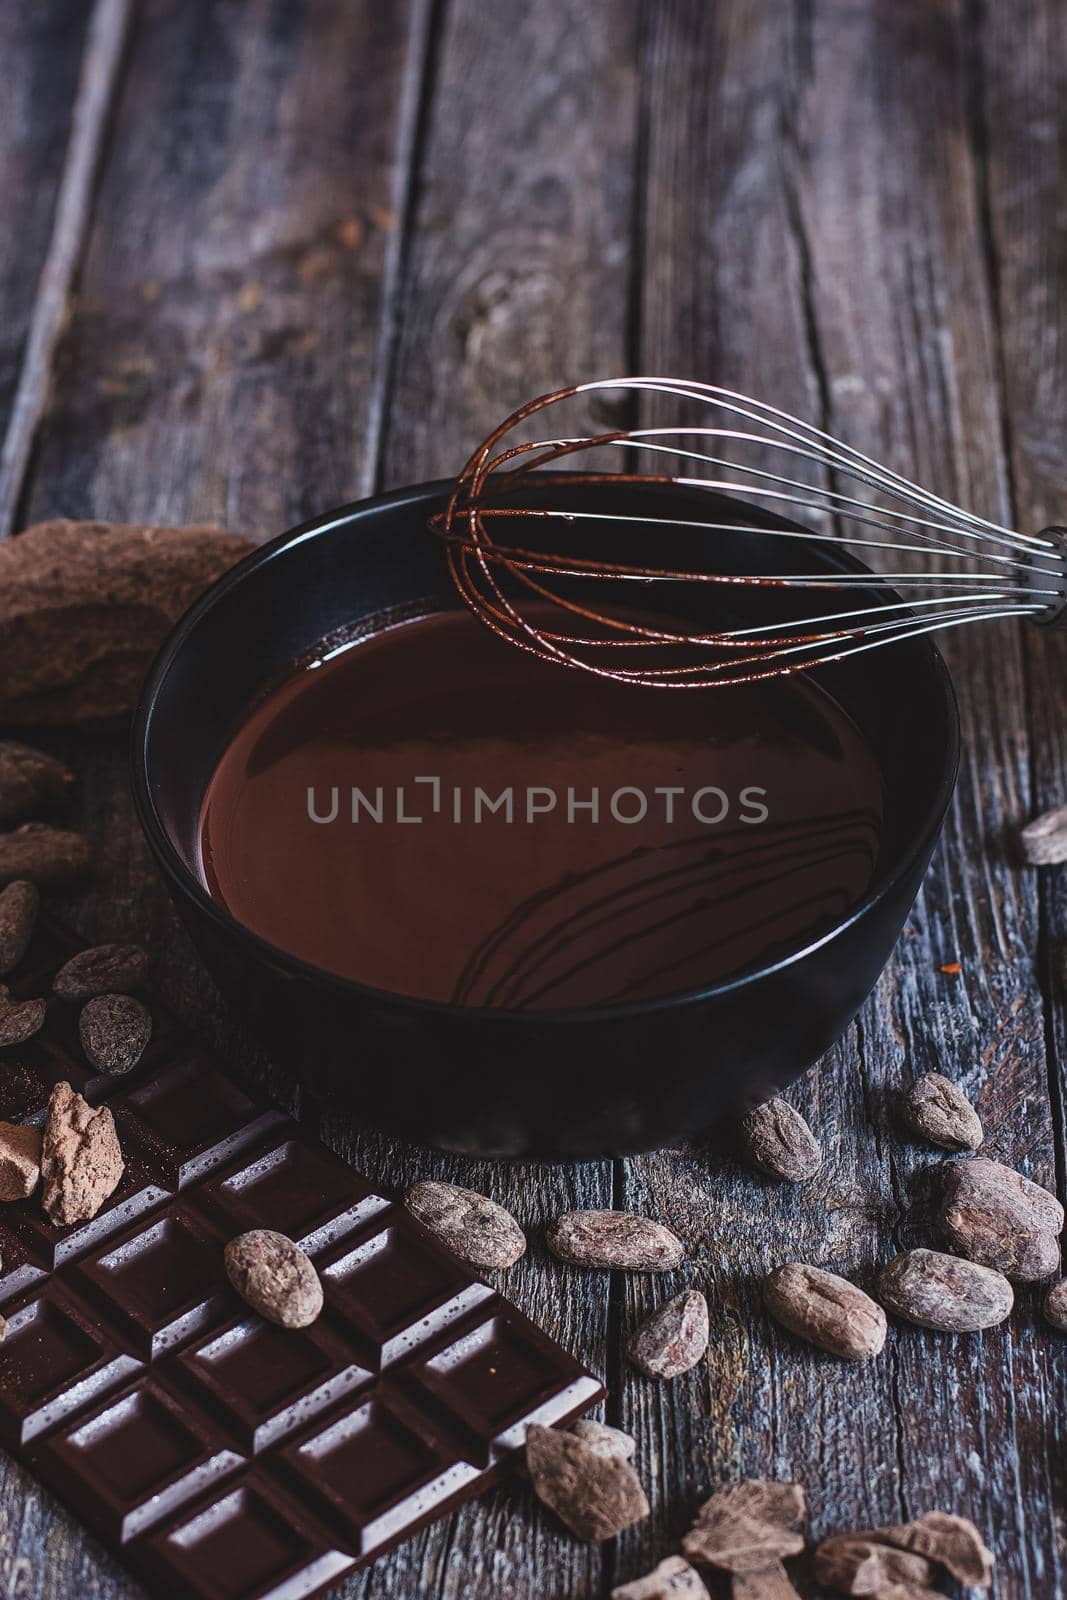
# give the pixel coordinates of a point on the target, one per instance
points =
(224, 1457)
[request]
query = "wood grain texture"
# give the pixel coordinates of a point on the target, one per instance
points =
(332, 245)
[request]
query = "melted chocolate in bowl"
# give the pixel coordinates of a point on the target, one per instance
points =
(579, 842)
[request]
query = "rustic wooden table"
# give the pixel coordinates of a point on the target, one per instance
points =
(262, 257)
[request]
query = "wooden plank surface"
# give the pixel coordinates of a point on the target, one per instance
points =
(331, 245)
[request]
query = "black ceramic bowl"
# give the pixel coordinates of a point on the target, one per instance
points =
(571, 1084)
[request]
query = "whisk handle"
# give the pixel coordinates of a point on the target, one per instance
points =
(1055, 615)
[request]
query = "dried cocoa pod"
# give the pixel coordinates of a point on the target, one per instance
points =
(936, 1290)
(104, 969)
(937, 1109)
(114, 1030)
(1044, 841)
(614, 1240)
(604, 1439)
(81, 1161)
(30, 782)
(826, 1310)
(19, 905)
(772, 1583)
(858, 1564)
(779, 1142)
(469, 1224)
(673, 1579)
(274, 1277)
(747, 1527)
(84, 606)
(949, 1541)
(1055, 1307)
(48, 856)
(1000, 1219)
(594, 1494)
(673, 1339)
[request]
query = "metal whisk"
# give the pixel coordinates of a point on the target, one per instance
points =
(554, 601)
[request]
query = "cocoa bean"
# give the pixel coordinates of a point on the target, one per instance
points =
(19, 905)
(84, 606)
(114, 1030)
(614, 1240)
(30, 782)
(747, 1527)
(1000, 1219)
(826, 1310)
(275, 1277)
(673, 1579)
(81, 1161)
(1055, 1306)
(605, 1440)
(673, 1339)
(595, 1494)
(779, 1142)
(949, 1541)
(1044, 841)
(105, 969)
(935, 1290)
(772, 1583)
(858, 1564)
(938, 1110)
(765, 1499)
(49, 857)
(19, 1019)
(474, 1228)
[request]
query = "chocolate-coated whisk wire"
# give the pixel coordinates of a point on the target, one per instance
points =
(516, 589)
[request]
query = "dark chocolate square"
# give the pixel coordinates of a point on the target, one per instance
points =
(28, 1075)
(136, 1459)
(378, 1469)
(301, 1191)
(163, 1282)
(55, 1358)
(500, 1374)
(268, 1381)
(190, 1119)
(399, 1286)
(252, 1544)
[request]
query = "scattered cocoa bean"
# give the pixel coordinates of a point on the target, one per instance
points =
(473, 1227)
(114, 1030)
(594, 1494)
(19, 1019)
(105, 969)
(30, 782)
(673, 1579)
(858, 1564)
(605, 1440)
(949, 1541)
(826, 1310)
(1055, 1306)
(935, 1290)
(85, 605)
(937, 1109)
(49, 857)
(747, 1527)
(673, 1339)
(81, 1161)
(1000, 1219)
(614, 1240)
(771, 1584)
(19, 905)
(1044, 841)
(20, 1160)
(274, 1277)
(779, 1142)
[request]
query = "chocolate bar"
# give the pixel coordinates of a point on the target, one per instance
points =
(222, 1456)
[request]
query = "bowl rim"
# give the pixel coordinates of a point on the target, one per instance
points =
(186, 881)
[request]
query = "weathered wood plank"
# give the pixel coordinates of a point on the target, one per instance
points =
(41, 47)
(517, 280)
(830, 247)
